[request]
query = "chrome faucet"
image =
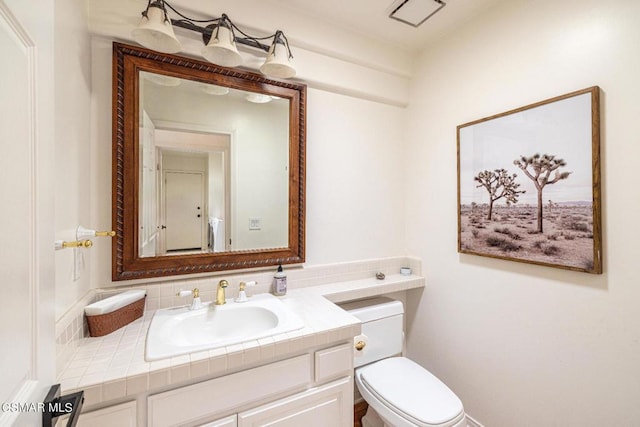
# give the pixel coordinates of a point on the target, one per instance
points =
(220, 297)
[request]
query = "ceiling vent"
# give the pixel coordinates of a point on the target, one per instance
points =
(415, 12)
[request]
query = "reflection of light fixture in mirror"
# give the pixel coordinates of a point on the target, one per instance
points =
(258, 98)
(161, 79)
(219, 35)
(415, 12)
(215, 90)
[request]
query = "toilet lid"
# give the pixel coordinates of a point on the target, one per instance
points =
(409, 389)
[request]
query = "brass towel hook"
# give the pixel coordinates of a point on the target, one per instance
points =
(61, 244)
(85, 233)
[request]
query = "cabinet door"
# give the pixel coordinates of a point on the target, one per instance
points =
(328, 405)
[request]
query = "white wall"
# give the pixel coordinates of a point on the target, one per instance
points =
(525, 345)
(355, 171)
(72, 106)
(355, 203)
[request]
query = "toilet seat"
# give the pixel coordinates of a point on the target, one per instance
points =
(410, 392)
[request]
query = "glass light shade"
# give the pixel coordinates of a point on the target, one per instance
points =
(215, 90)
(258, 98)
(161, 79)
(277, 63)
(156, 33)
(221, 50)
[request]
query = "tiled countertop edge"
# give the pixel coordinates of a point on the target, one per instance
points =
(365, 288)
(72, 328)
(133, 379)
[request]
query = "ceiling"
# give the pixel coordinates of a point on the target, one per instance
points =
(319, 27)
(370, 18)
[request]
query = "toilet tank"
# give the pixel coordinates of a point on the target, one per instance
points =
(382, 323)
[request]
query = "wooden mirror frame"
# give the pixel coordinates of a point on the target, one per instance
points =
(127, 263)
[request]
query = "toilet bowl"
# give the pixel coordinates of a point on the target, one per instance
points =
(402, 393)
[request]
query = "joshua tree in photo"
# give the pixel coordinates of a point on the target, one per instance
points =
(499, 184)
(541, 168)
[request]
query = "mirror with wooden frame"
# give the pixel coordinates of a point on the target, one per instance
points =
(208, 167)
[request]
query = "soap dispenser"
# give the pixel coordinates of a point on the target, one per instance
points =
(280, 282)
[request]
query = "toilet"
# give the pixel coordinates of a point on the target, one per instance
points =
(401, 392)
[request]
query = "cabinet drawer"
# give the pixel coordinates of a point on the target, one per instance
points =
(194, 402)
(334, 362)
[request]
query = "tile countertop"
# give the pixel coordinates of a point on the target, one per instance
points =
(113, 366)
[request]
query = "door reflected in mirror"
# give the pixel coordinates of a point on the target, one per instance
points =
(213, 169)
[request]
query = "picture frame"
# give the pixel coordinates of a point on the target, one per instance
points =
(529, 184)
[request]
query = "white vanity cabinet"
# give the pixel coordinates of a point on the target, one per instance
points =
(312, 389)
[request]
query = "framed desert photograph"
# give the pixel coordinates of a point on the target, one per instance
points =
(529, 184)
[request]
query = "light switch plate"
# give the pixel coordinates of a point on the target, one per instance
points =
(255, 223)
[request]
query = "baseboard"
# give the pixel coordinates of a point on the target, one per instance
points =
(472, 422)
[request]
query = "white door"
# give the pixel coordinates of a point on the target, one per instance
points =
(148, 240)
(27, 358)
(184, 210)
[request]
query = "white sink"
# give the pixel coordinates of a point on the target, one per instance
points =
(179, 330)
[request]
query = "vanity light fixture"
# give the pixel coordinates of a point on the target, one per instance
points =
(219, 35)
(415, 12)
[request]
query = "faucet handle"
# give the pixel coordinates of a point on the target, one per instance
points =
(196, 303)
(195, 292)
(242, 295)
(243, 285)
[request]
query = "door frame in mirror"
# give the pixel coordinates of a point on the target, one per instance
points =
(127, 263)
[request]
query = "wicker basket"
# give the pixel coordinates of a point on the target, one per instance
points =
(103, 324)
